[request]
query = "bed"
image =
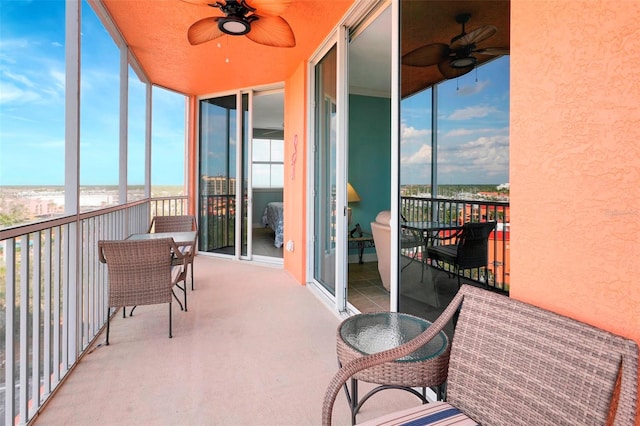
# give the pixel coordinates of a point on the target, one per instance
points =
(273, 217)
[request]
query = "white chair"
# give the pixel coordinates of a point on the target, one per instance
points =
(409, 243)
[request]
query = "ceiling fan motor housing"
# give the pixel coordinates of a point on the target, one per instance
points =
(235, 22)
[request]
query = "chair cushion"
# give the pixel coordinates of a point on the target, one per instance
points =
(447, 252)
(435, 413)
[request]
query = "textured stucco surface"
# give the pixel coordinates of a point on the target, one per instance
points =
(295, 173)
(575, 159)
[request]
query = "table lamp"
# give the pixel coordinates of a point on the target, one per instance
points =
(352, 197)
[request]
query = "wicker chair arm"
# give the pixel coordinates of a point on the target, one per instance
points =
(153, 221)
(101, 253)
(368, 361)
(176, 251)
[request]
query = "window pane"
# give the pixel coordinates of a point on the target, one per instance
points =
(32, 104)
(277, 176)
(261, 150)
(168, 143)
(135, 138)
(261, 176)
(277, 150)
(99, 114)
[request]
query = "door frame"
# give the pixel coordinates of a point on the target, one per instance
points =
(237, 255)
(340, 38)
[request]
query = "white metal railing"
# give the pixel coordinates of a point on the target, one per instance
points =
(53, 296)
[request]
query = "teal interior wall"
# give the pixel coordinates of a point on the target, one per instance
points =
(369, 157)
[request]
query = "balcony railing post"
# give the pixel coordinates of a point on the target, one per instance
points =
(10, 339)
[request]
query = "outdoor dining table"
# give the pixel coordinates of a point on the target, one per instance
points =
(185, 240)
(429, 232)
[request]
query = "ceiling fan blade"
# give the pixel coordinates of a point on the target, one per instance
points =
(496, 51)
(271, 31)
(204, 30)
(204, 2)
(269, 7)
(449, 72)
(474, 37)
(425, 56)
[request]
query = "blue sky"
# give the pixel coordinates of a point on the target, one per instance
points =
(473, 129)
(32, 104)
(473, 116)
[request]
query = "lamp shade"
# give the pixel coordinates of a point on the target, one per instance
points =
(352, 195)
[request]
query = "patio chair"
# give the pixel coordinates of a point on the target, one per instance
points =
(140, 273)
(513, 363)
(183, 223)
(470, 249)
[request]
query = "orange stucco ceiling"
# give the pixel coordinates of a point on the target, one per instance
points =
(156, 32)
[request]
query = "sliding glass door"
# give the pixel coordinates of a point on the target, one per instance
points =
(222, 186)
(325, 164)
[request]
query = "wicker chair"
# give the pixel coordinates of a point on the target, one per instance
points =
(178, 224)
(470, 249)
(140, 273)
(512, 363)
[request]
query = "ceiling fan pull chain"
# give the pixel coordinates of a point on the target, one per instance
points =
(226, 50)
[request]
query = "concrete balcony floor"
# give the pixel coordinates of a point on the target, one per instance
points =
(254, 348)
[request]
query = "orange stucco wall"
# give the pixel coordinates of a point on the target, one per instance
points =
(575, 160)
(295, 172)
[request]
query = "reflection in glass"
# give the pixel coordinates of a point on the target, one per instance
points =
(454, 150)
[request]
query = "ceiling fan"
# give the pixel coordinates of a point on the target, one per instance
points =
(457, 58)
(259, 20)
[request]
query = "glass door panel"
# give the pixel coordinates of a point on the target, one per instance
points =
(218, 178)
(267, 175)
(369, 159)
(324, 270)
(243, 183)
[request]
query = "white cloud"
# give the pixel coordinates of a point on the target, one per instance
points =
(59, 78)
(473, 89)
(422, 156)
(13, 44)
(484, 156)
(412, 135)
(469, 132)
(459, 132)
(20, 78)
(13, 94)
(472, 112)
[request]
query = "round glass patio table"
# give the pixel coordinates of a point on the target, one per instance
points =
(370, 333)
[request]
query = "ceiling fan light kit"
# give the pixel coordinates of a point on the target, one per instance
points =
(234, 25)
(464, 62)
